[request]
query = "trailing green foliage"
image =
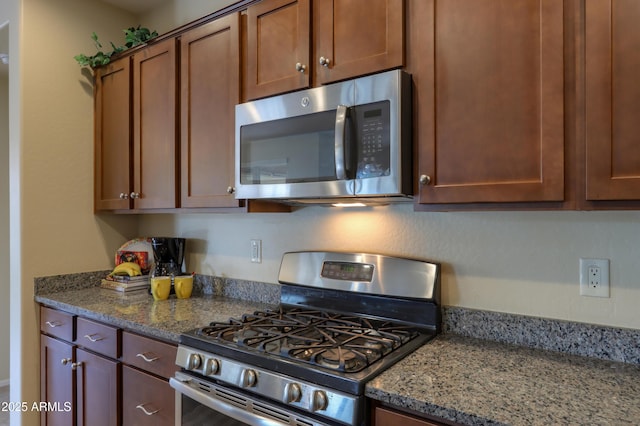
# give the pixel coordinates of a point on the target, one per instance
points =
(133, 36)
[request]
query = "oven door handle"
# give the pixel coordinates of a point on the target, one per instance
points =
(181, 386)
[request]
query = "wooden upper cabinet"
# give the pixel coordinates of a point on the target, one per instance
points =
(112, 154)
(278, 42)
(489, 83)
(612, 97)
(291, 47)
(154, 126)
(355, 37)
(210, 89)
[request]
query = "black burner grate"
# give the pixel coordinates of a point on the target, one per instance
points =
(339, 342)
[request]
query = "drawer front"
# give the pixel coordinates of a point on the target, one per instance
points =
(148, 354)
(147, 400)
(56, 323)
(97, 337)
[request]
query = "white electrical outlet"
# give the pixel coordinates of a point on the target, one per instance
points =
(594, 277)
(256, 251)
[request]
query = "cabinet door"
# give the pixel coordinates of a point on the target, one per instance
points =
(612, 94)
(278, 40)
(154, 125)
(99, 389)
(488, 85)
(385, 417)
(57, 384)
(356, 38)
(210, 83)
(112, 139)
(147, 400)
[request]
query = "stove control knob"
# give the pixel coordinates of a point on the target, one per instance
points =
(211, 366)
(292, 393)
(248, 378)
(319, 401)
(193, 361)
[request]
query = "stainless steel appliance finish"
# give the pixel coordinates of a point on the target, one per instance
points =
(345, 140)
(343, 319)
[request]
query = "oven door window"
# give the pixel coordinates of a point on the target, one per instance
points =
(291, 150)
(196, 414)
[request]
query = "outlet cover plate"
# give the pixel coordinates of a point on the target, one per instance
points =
(256, 251)
(594, 277)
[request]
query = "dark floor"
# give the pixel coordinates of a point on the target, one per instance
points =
(4, 398)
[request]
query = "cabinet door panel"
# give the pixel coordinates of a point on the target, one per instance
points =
(147, 400)
(278, 37)
(57, 384)
(99, 389)
(492, 129)
(612, 48)
(385, 417)
(357, 38)
(112, 155)
(154, 125)
(210, 70)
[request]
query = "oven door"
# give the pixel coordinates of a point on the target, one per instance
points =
(202, 402)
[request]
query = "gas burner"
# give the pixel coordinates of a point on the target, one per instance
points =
(338, 358)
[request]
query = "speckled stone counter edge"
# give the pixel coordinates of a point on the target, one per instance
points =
(596, 341)
(203, 284)
(607, 343)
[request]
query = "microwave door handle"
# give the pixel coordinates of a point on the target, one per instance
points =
(341, 118)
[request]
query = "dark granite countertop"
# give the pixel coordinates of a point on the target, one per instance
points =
(479, 382)
(458, 378)
(138, 312)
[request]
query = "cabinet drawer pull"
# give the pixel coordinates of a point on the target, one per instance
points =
(53, 324)
(76, 365)
(144, 410)
(93, 339)
(65, 361)
(143, 356)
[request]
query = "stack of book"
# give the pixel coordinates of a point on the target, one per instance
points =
(125, 283)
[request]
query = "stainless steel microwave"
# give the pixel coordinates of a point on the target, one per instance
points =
(343, 142)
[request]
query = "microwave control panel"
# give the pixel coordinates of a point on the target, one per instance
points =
(372, 122)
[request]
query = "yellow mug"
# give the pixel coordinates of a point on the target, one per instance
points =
(184, 286)
(160, 287)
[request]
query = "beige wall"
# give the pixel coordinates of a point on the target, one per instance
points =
(54, 144)
(174, 13)
(4, 212)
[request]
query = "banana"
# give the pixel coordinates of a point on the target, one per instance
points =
(127, 268)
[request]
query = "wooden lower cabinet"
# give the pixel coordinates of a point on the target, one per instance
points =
(147, 400)
(57, 384)
(98, 375)
(98, 389)
(386, 417)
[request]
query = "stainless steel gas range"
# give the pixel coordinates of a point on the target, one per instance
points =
(343, 318)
